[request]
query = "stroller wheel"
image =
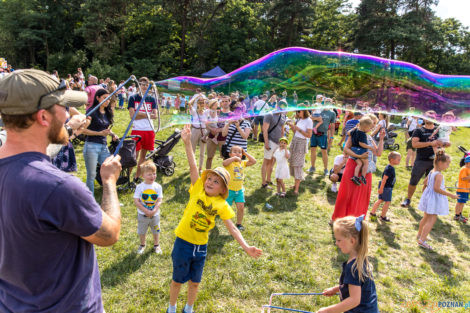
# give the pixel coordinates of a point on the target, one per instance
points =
(168, 171)
(396, 147)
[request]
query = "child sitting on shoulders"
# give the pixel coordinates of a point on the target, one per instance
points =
(356, 284)
(464, 184)
(444, 131)
(207, 196)
(148, 197)
(359, 146)
(386, 186)
(236, 192)
(434, 201)
(282, 156)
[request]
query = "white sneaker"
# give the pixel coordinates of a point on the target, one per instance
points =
(157, 249)
(334, 188)
(141, 250)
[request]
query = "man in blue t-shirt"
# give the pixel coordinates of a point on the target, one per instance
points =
(49, 219)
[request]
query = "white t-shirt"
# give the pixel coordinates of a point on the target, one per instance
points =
(303, 124)
(413, 123)
(199, 120)
(383, 124)
(148, 195)
(258, 106)
(338, 160)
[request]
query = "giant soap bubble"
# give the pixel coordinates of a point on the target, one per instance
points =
(387, 85)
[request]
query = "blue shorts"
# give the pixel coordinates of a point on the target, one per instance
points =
(236, 196)
(188, 261)
(259, 120)
(386, 194)
(320, 141)
(463, 197)
(358, 150)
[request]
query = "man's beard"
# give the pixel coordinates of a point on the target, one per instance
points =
(57, 133)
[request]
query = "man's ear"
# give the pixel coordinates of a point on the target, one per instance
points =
(43, 117)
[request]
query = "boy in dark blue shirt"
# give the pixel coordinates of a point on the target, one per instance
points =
(386, 186)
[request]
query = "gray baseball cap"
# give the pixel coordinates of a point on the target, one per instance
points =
(28, 91)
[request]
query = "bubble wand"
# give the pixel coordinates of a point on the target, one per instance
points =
(132, 77)
(132, 120)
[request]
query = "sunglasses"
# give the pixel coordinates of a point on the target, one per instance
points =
(62, 86)
(146, 196)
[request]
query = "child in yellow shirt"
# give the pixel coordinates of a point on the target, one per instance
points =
(207, 196)
(236, 192)
(464, 184)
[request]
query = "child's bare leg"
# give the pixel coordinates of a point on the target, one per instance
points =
(283, 186)
(428, 226)
(376, 206)
(142, 240)
(240, 211)
(174, 291)
(278, 184)
(458, 208)
(423, 222)
(192, 292)
(365, 166)
(385, 208)
(358, 167)
(156, 239)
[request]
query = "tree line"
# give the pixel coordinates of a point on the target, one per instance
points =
(165, 38)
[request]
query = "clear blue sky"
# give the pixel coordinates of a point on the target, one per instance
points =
(459, 9)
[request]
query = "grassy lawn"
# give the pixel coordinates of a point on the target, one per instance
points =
(299, 251)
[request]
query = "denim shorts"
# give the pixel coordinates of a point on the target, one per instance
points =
(320, 141)
(236, 196)
(386, 194)
(188, 261)
(463, 197)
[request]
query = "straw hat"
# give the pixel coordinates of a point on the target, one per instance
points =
(222, 173)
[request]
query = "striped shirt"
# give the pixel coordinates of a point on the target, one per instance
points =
(237, 139)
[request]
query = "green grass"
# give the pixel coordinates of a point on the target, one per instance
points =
(299, 251)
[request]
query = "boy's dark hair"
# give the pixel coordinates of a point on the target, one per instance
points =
(393, 155)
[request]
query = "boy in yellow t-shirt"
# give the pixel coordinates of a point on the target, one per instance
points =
(464, 188)
(207, 196)
(236, 193)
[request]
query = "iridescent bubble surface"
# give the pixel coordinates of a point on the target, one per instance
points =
(383, 84)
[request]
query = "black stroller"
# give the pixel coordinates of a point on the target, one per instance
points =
(128, 161)
(160, 157)
(389, 140)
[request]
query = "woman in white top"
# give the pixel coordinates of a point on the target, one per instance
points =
(198, 127)
(302, 129)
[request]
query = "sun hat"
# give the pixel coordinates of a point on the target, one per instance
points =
(222, 173)
(27, 91)
(284, 139)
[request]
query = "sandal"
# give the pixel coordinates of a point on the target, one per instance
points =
(373, 214)
(424, 245)
(282, 195)
(385, 219)
(266, 186)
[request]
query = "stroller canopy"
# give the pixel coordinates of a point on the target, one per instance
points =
(215, 72)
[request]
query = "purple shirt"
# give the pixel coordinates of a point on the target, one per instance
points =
(44, 264)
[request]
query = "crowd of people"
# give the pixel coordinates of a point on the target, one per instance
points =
(219, 122)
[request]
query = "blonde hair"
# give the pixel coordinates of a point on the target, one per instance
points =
(393, 155)
(365, 121)
(212, 102)
(346, 226)
(148, 166)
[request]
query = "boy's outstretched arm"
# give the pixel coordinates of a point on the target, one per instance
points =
(186, 137)
(250, 250)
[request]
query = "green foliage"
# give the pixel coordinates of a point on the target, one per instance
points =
(164, 38)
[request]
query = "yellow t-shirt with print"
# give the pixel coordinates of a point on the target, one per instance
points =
(237, 175)
(199, 215)
(464, 172)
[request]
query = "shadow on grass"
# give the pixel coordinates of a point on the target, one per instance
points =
(440, 264)
(217, 241)
(118, 271)
(181, 185)
(387, 234)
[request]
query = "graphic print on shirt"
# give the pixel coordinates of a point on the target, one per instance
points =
(238, 173)
(149, 198)
(199, 221)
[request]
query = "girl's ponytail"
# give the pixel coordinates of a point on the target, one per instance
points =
(358, 228)
(441, 156)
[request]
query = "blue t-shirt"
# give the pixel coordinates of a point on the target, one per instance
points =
(390, 172)
(368, 293)
(99, 122)
(45, 265)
